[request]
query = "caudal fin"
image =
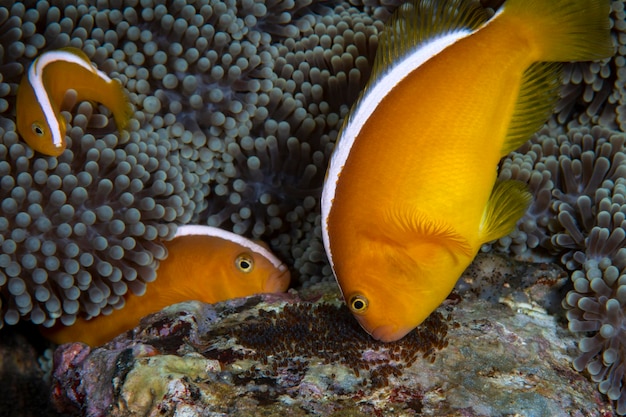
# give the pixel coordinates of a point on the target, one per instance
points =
(564, 30)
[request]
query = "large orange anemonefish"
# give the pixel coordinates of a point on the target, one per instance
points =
(203, 263)
(411, 193)
(41, 92)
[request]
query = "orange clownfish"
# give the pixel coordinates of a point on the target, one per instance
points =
(203, 263)
(411, 194)
(41, 92)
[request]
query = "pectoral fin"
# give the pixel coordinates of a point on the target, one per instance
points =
(413, 227)
(507, 204)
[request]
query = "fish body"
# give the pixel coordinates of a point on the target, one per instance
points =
(43, 87)
(203, 263)
(411, 193)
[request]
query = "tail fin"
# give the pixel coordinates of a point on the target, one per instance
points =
(565, 30)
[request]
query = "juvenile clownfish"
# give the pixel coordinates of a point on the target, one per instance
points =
(203, 263)
(41, 92)
(411, 194)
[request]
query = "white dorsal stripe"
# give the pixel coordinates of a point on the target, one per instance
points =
(365, 108)
(195, 230)
(35, 77)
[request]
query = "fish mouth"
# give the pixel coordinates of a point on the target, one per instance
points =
(278, 281)
(389, 332)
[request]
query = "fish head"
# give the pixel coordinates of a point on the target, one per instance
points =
(232, 269)
(32, 124)
(383, 321)
(277, 279)
(399, 288)
(390, 312)
(276, 274)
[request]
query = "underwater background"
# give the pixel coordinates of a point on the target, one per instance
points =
(237, 108)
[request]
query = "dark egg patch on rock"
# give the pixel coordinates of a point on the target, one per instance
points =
(284, 342)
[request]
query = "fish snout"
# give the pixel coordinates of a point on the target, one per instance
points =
(389, 332)
(278, 281)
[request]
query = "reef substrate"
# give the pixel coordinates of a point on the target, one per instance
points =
(303, 353)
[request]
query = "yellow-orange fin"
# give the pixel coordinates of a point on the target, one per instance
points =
(507, 204)
(411, 226)
(538, 95)
(418, 22)
(122, 110)
(563, 30)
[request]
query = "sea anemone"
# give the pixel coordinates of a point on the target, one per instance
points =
(237, 106)
(596, 308)
(78, 231)
(564, 172)
(258, 92)
(579, 214)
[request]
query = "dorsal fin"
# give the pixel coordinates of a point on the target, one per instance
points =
(416, 23)
(537, 98)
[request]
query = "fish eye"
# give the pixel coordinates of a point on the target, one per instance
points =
(244, 263)
(358, 304)
(37, 129)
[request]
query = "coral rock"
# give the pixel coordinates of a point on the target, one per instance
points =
(304, 354)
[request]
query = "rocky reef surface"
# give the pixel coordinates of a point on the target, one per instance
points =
(494, 348)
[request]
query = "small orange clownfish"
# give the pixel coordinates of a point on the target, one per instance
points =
(411, 194)
(43, 87)
(203, 263)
